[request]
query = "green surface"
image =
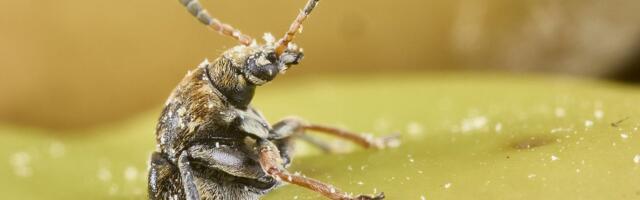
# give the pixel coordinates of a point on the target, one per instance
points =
(464, 137)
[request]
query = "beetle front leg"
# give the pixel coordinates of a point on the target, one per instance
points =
(292, 126)
(186, 175)
(272, 163)
(229, 160)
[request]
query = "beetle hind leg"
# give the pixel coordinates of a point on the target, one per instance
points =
(162, 179)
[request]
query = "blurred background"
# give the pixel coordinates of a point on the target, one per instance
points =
(72, 64)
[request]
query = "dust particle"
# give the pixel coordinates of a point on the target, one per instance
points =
(599, 114)
(21, 162)
(624, 136)
(104, 174)
(560, 112)
(498, 127)
(130, 173)
(56, 149)
(588, 123)
(414, 128)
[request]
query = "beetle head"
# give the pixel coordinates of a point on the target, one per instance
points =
(260, 64)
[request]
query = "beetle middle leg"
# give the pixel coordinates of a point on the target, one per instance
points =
(295, 126)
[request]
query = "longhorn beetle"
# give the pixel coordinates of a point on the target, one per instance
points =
(212, 144)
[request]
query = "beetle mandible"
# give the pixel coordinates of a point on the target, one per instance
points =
(212, 144)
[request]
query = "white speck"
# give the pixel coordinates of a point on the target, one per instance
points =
(104, 174)
(21, 164)
(555, 130)
(636, 159)
(577, 170)
(217, 145)
(447, 185)
(423, 198)
(498, 127)
(414, 128)
(295, 197)
(268, 38)
(293, 46)
(236, 33)
(56, 149)
(560, 112)
(290, 178)
(531, 176)
(473, 123)
(420, 172)
(300, 29)
(349, 168)
(182, 111)
(410, 158)
(598, 114)
(113, 190)
(332, 190)
(624, 136)
(554, 158)
(588, 123)
(130, 173)
(360, 183)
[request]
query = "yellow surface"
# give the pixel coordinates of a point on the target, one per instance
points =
(465, 137)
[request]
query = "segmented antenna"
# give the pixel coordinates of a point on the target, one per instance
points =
(296, 26)
(195, 8)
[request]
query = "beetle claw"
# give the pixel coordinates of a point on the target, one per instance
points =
(367, 197)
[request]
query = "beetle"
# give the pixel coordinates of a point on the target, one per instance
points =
(212, 144)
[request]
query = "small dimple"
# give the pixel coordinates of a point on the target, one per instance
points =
(531, 142)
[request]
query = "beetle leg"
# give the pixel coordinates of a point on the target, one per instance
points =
(364, 140)
(186, 175)
(292, 126)
(271, 162)
(162, 175)
(229, 160)
(286, 148)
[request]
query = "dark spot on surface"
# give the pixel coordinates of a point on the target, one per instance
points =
(531, 142)
(617, 123)
(508, 157)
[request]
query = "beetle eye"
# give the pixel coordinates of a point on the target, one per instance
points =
(271, 57)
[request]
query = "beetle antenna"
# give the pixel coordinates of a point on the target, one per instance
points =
(296, 26)
(195, 8)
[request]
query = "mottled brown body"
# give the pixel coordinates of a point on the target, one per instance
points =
(211, 144)
(198, 113)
